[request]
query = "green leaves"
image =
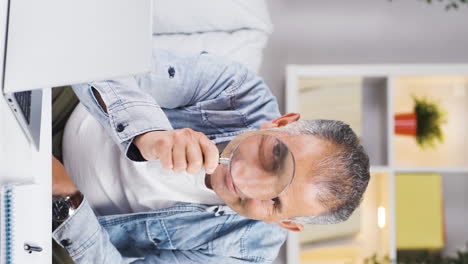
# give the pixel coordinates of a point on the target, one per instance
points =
(374, 259)
(429, 118)
(449, 4)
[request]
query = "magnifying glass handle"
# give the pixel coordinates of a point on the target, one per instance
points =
(224, 161)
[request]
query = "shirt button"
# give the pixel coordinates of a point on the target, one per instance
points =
(120, 128)
(65, 242)
(171, 72)
(219, 213)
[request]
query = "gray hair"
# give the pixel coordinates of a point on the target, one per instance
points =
(343, 176)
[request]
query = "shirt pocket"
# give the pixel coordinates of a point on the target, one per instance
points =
(222, 115)
(180, 234)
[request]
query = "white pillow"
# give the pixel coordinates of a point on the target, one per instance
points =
(245, 46)
(188, 16)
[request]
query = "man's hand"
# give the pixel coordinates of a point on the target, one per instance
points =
(62, 184)
(181, 149)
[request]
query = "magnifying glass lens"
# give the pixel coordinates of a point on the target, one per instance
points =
(261, 167)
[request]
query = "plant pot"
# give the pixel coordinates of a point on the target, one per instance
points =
(406, 124)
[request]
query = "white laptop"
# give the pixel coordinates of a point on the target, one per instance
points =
(27, 108)
(60, 42)
(52, 43)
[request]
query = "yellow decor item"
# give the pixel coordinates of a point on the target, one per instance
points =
(419, 211)
(337, 254)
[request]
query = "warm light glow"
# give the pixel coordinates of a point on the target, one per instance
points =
(381, 217)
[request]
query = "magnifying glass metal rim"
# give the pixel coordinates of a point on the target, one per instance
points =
(227, 161)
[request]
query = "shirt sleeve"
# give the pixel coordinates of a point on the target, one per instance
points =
(86, 241)
(130, 110)
(84, 238)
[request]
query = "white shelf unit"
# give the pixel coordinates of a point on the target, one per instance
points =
(385, 151)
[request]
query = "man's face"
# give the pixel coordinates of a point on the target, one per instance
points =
(299, 199)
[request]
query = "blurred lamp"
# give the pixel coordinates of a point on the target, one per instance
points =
(381, 216)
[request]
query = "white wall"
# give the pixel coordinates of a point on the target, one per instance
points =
(361, 31)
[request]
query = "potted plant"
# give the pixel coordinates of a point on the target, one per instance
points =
(424, 122)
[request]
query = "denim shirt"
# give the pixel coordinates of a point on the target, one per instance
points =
(184, 233)
(208, 94)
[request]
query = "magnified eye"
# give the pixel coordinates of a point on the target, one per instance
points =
(276, 155)
(273, 154)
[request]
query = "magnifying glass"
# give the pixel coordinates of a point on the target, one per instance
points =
(261, 167)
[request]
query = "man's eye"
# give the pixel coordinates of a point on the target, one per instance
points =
(277, 150)
(273, 152)
(276, 156)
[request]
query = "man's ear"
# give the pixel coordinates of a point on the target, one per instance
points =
(289, 225)
(281, 121)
